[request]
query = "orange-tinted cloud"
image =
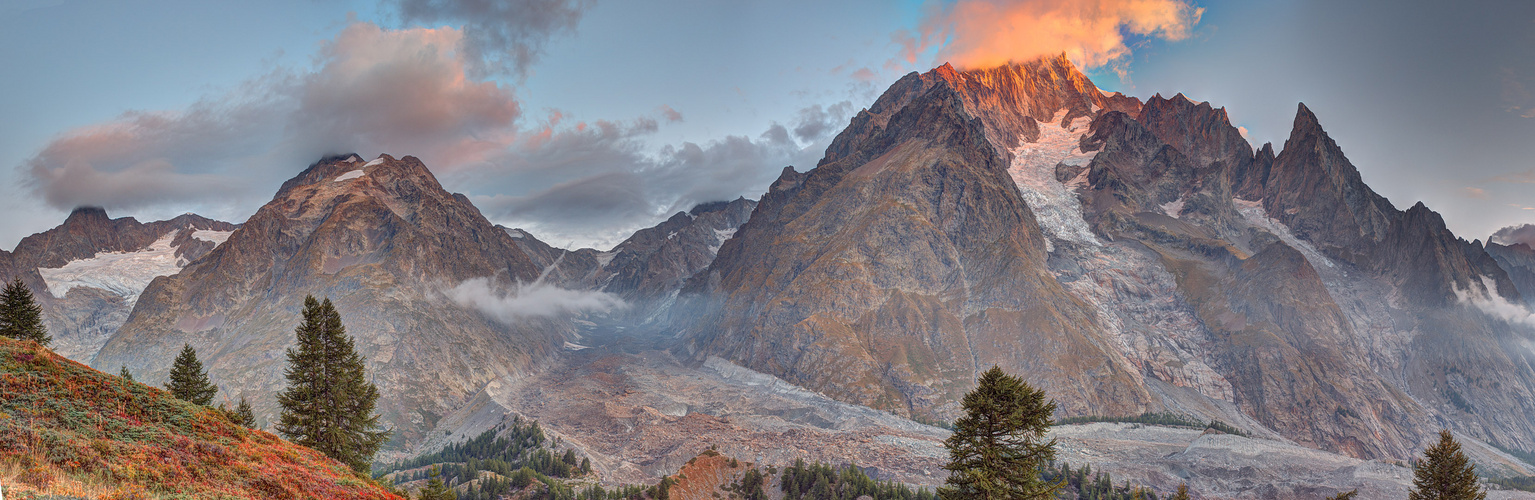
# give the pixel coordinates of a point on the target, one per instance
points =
(984, 33)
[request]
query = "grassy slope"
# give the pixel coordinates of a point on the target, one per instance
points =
(70, 430)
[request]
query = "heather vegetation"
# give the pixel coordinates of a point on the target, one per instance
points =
(66, 429)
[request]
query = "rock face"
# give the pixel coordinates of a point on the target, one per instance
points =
(1125, 256)
(88, 272)
(381, 239)
(907, 260)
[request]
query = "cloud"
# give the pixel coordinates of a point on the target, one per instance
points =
(1092, 33)
(596, 183)
(1517, 96)
(1525, 177)
(507, 304)
(816, 122)
(671, 115)
(1487, 300)
(78, 184)
(1478, 193)
(500, 37)
(402, 90)
(368, 90)
(1524, 233)
(413, 91)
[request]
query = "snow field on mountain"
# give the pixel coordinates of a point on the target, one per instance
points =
(349, 176)
(122, 273)
(216, 237)
(1055, 206)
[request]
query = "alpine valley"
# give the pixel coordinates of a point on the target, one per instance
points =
(1128, 256)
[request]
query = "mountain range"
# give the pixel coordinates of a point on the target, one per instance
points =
(1128, 256)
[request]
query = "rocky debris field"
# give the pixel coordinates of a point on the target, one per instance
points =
(641, 414)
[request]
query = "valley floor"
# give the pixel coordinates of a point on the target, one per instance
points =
(640, 414)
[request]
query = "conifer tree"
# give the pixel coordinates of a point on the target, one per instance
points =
(244, 416)
(328, 404)
(999, 446)
(188, 380)
(1183, 492)
(435, 489)
(1445, 473)
(125, 374)
(20, 316)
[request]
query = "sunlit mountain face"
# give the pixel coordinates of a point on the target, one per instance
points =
(695, 271)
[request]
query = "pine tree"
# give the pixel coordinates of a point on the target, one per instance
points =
(1445, 473)
(1183, 492)
(435, 489)
(1347, 495)
(329, 403)
(998, 448)
(188, 380)
(125, 374)
(244, 416)
(20, 316)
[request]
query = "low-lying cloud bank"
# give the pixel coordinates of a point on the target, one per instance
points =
(1515, 235)
(1487, 300)
(507, 304)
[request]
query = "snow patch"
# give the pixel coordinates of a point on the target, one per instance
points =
(1055, 204)
(379, 161)
(349, 175)
(125, 274)
(514, 233)
(1173, 209)
(574, 347)
(216, 237)
(603, 258)
(350, 159)
(1489, 301)
(1255, 215)
(720, 236)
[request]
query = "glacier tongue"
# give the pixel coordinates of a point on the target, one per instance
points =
(123, 273)
(1033, 169)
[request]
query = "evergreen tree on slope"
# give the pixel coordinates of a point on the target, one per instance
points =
(188, 380)
(20, 316)
(998, 448)
(1445, 473)
(328, 405)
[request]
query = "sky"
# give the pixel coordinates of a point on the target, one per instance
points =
(583, 120)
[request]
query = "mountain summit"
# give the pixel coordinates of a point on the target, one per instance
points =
(384, 241)
(1129, 257)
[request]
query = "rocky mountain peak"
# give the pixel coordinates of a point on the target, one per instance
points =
(1305, 125)
(87, 215)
